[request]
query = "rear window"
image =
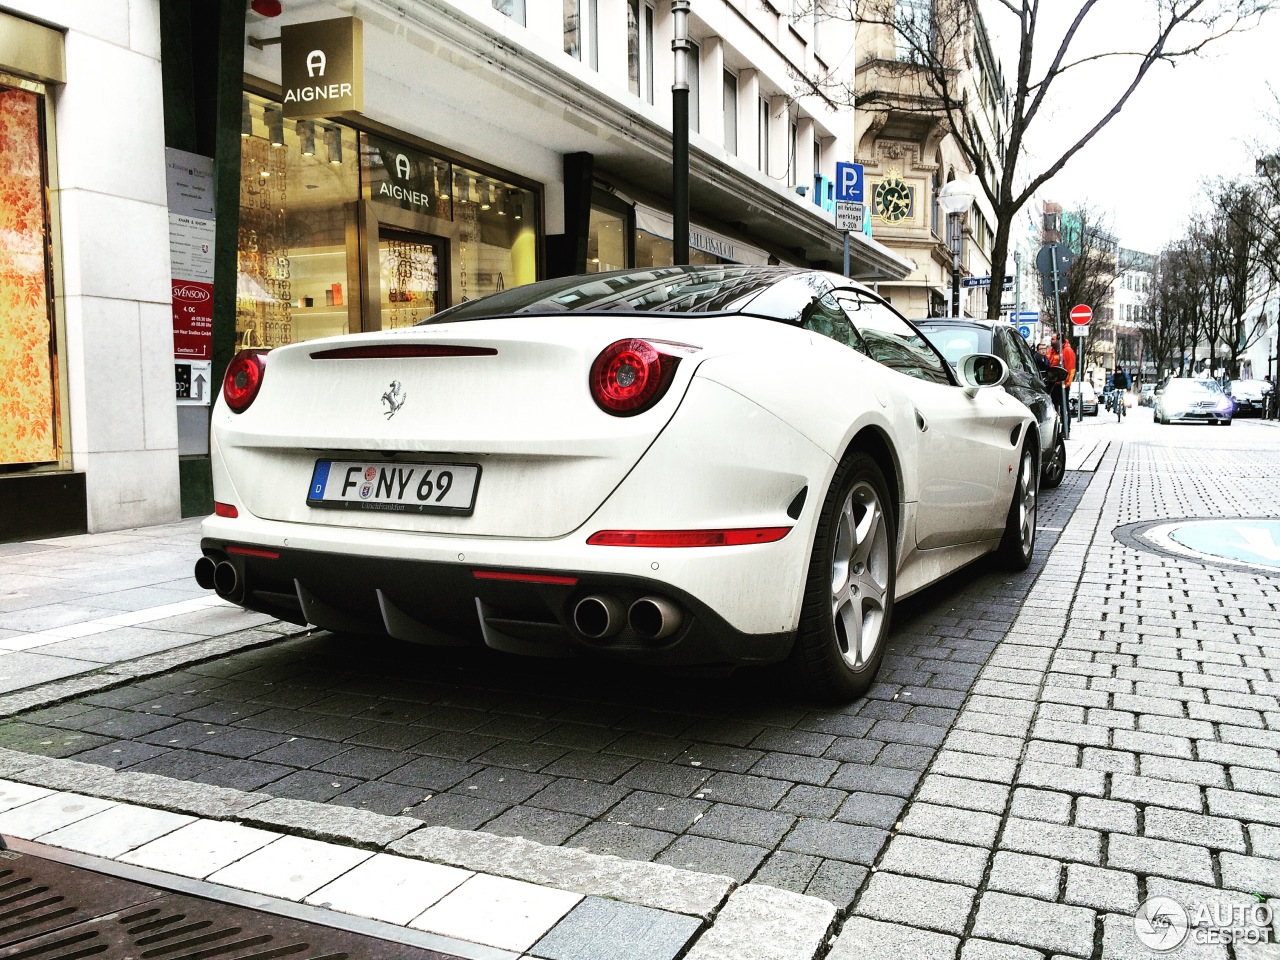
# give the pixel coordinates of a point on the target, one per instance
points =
(779, 293)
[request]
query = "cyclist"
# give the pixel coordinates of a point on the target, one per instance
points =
(1119, 387)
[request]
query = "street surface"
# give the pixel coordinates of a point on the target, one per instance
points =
(1042, 753)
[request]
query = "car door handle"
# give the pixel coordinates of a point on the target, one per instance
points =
(921, 422)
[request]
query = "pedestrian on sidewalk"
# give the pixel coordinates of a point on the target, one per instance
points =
(1058, 358)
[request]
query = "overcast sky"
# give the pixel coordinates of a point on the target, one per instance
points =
(1184, 125)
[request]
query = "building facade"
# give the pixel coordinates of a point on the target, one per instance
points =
(207, 199)
(910, 151)
(1132, 312)
(88, 434)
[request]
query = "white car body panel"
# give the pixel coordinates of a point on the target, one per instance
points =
(758, 412)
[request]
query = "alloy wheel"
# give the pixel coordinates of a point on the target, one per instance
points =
(1027, 502)
(860, 575)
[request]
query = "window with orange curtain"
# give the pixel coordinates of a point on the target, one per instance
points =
(28, 388)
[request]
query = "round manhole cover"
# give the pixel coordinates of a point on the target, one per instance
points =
(1248, 542)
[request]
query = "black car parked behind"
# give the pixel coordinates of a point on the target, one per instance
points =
(958, 337)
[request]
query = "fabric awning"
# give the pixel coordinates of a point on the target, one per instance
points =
(660, 224)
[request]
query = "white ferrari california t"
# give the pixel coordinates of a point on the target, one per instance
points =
(687, 465)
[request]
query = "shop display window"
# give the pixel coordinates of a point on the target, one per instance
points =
(343, 230)
(29, 401)
(493, 233)
(655, 251)
(606, 240)
(299, 181)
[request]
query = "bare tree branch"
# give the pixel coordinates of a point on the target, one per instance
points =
(931, 76)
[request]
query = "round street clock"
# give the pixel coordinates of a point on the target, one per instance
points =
(892, 199)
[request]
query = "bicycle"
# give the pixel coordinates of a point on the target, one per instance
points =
(1118, 402)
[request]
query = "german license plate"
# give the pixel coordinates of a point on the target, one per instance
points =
(395, 486)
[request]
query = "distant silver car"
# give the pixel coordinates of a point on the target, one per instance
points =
(1184, 400)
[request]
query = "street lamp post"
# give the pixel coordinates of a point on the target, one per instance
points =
(956, 198)
(680, 135)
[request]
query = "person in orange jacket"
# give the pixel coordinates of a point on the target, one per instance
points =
(1060, 357)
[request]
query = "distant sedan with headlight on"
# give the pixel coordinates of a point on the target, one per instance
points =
(685, 465)
(1185, 400)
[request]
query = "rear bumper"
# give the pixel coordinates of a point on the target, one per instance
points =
(445, 603)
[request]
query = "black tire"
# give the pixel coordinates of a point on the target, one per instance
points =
(1019, 540)
(848, 597)
(1056, 469)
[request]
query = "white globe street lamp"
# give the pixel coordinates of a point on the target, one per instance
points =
(956, 198)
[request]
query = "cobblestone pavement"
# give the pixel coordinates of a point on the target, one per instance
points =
(728, 776)
(1043, 751)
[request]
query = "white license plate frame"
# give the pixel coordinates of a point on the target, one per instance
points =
(394, 486)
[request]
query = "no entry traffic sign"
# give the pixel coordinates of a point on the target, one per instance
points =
(1081, 315)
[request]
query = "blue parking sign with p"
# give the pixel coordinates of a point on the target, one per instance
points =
(849, 181)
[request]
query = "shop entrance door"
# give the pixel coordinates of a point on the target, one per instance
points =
(414, 272)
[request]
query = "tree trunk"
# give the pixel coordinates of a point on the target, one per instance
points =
(999, 259)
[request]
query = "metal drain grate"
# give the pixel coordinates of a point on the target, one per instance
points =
(54, 911)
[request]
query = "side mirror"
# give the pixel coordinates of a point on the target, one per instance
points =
(1054, 376)
(979, 370)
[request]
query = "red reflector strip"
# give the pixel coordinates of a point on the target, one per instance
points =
(397, 351)
(687, 538)
(524, 577)
(225, 510)
(254, 552)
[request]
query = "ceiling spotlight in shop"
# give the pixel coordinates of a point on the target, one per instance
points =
(274, 117)
(519, 211)
(333, 143)
(486, 197)
(246, 118)
(306, 130)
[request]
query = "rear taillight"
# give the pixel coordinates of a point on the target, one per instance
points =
(738, 537)
(630, 376)
(244, 379)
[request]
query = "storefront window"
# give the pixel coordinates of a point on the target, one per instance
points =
(654, 251)
(606, 240)
(299, 180)
(342, 231)
(29, 415)
(493, 235)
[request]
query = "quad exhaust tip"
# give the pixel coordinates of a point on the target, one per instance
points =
(204, 572)
(599, 617)
(226, 581)
(654, 618)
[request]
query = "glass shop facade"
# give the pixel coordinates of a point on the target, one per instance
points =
(344, 229)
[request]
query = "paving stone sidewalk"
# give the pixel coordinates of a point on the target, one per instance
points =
(1113, 738)
(1122, 742)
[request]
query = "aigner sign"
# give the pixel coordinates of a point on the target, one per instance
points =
(322, 67)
